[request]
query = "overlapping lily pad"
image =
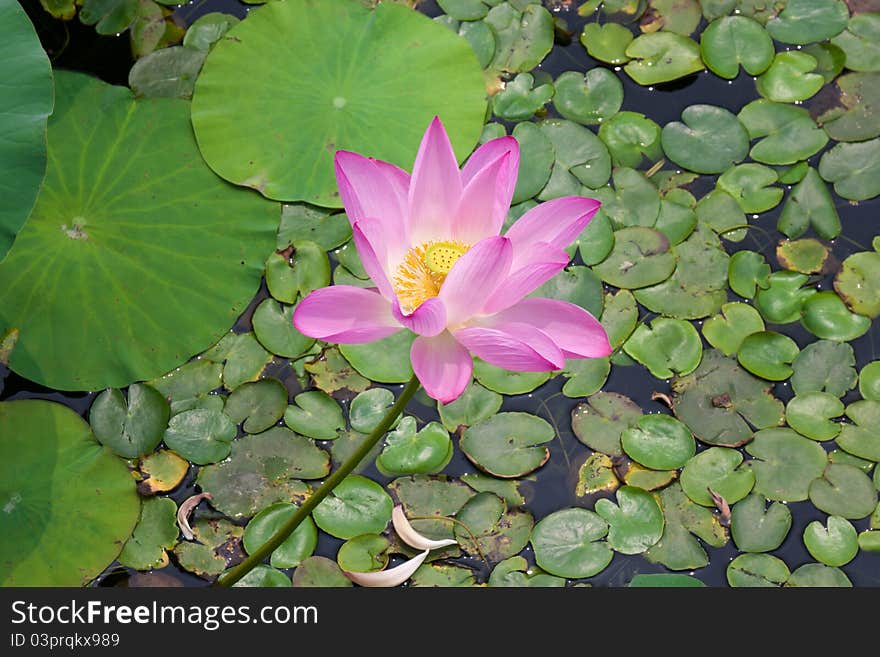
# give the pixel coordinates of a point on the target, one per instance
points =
(708, 140)
(785, 464)
(755, 527)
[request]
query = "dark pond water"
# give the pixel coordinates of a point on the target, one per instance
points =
(552, 487)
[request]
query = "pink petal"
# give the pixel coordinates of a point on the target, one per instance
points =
(473, 279)
(345, 314)
(557, 222)
(443, 366)
(370, 188)
(435, 187)
(575, 331)
(513, 346)
(484, 203)
(369, 239)
(488, 153)
(539, 265)
(428, 319)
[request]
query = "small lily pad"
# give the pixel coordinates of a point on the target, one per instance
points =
(194, 379)
(768, 354)
(844, 490)
(521, 99)
(443, 574)
(585, 376)
(635, 523)
(155, 533)
(568, 543)
(295, 548)
(274, 329)
(726, 331)
(782, 300)
(506, 489)
(474, 405)
(508, 445)
(607, 42)
(818, 575)
(665, 580)
(619, 316)
(807, 256)
(748, 271)
(217, 545)
(787, 133)
(836, 544)
(631, 138)
(429, 501)
(669, 347)
(200, 435)
(785, 464)
(316, 415)
(166, 73)
(242, 356)
(386, 360)
(869, 541)
(858, 283)
(757, 570)
(731, 41)
(515, 572)
(751, 185)
(577, 285)
(331, 372)
(363, 554)
(319, 572)
(662, 57)
(723, 214)
(507, 382)
(490, 529)
(718, 469)
(596, 475)
(636, 475)
(260, 404)
(600, 421)
(810, 204)
(826, 316)
(635, 201)
(537, 156)
(808, 21)
(853, 168)
(708, 140)
(678, 215)
(755, 527)
(860, 42)
(640, 257)
(130, 427)
(589, 98)
(409, 452)
(581, 159)
(659, 442)
(206, 30)
(810, 415)
(523, 34)
(161, 471)
(853, 114)
(263, 576)
(869, 380)
(356, 506)
(790, 78)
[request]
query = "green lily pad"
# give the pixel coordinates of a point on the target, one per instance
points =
(207, 30)
(810, 415)
(661, 57)
(577, 285)
(347, 443)
(787, 133)
(600, 422)
(826, 316)
(720, 402)
(161, 471)
(731, 41)
(792, 174)
(727, 330)
(263, 576)
(305, 270)
(243, 358)
(857, 283)
(537, 156)
(515, 572)
(520, 99)
(854, 169)
(679, 16)
(596, 475)
(386, 360)
(824, 366)
(860, 42)
(506, 489)
(295, 548)
(748, 271)
(818, 575)
(831, 59)
(493, 530)
(363, 554)
(640, 257)
(723, 214)
(263, 469)
(781, 302)
(331, 372)
(840, 456)
(260, 404)
(620, 315)
(708, 140)
(665, 580)
(24, 110)
(678, 215)
(443, 574)
(167, 73)
(635, 523)
(200, 435)
(150, 305)
(636, 475)
(844, 490)
(474, 405)
(316, 415)
(189, 381)
(506, 382)
(217, 545)
(69, 503)
(852, 116)
(755, 527)
(757, 570)
(464, 10)
(659, 442)
(790, 78)
(523, 35)
(808, 21)
(368, 409)
(751, 185)
(319, 572)
(130, 427)
(581, 159)
(568, 543)
(807, 256)
(678, 548)
(429, 501)
(508, 445)
(356, 506)
(301, 222)
(409, 452)
(589, 98)
(869, 541)
(274, 330)
(155, 532)
(631, 138)
(869, 380)
(785, 464)
(635, 201)
(835, 544)
(585, 376)
(607, 42)
(698, 286)
(718, 469)
(239, 139)
(669, 347)
(767, 354)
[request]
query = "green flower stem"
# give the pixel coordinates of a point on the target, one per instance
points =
(305, 509)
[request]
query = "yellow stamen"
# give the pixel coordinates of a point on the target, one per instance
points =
(423, 270)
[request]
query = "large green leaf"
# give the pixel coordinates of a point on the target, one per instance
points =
(25, 104)
(68, 503)
(296, 81)
(136, 256)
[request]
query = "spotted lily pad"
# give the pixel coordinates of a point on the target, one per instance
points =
(836, 544)
(443, 574)
(844, 490)
(810, 415)
(640, 257)
(600, 421)
(824, 366)
(356, 506)
(708, 140)
(589, 98)
(787, 133)
(155, 533)
(332, 372)
(508, 444)
(808, 21)
(717, 469)
(852, 115)
(295, 548)
(670, 346)
(726, 331)
(161, 471)
(407, 451)
(790, 78)
(757, 570)
(429, 501)
(130, 427)
(826, 316)
(607, 42)
(731, 41)
(630, 138)
(568, 543)
(857, 283)
(315, 414)
(661, 57)
(635, 523)
(319, 572)
(490, 529)
(785, 464)
(807, 256)
(748, 271)
(596, 475)
(216, 546)
(755, 527)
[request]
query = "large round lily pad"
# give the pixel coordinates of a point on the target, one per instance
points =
(659, 442)
(132, 240)
(708, 140)
(311, 77)
(568, 543)
(68, 503)
(508, 444)
(785, 464)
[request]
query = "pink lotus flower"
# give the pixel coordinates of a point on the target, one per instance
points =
(430, 242)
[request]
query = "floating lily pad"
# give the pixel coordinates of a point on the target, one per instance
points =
(635, 202)
(474, 405)
(635, 523)
(785, 464)
(767, 354)
(679, 16)
(810, 415)
(200, 435)
(836, 544)
(723, 214)
(860, 42)
(718, 469)
(515, 572)
(356, 506)
(708, 140)
(523, 35)
(730, 41)
(726, 331)
(781, 302)
(661, 57)
(295, 548)
(619, 316)
(263, 469)
(130, 427)
(659, 442)
(443, 574)
(720, 402)
(596, 475)
(24, 110)
(857, 283)
(826, 316)
(190, 381)
(493, 530)
(319, 572)
(678, 215)
(581, 159)
(792, 174)
(807, 256)
(164, 267)
(808, 21)
(869, 541)
(670, 346)
(339, 107)
(854, 169)
(407, 451)
(631, 137)
(665, 580)
(508, 444)
(260, 404)
(162, 471)
(636, 475)
(243, 358)
(600, 421)
(464, 10)
(585, 376)
(869, 380)
(577, 285)
(824, 366)
(748, 271)
(755, 527)
(507, 382)
(315, 415)
(844, 490)
(757, 570)
(640, 257)
(363, 554)
(263, 576)
(751, 185)
(167, 73)
(273, 328)
(787, 133)
(206, 30)
(332, 372)
(607, 42)
(155, 532)
(818, 575)
(386, 360)
(790, 77)
(429, 501)
(537, 156)
(853, 114)
(568, 543)
(521, 99)
(217, 545)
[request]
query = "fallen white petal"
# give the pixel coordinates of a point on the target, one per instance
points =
(411, 537)
(391, 577)
(185, 509)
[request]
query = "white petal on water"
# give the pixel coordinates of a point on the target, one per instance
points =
(411, 537)
(391, 577)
